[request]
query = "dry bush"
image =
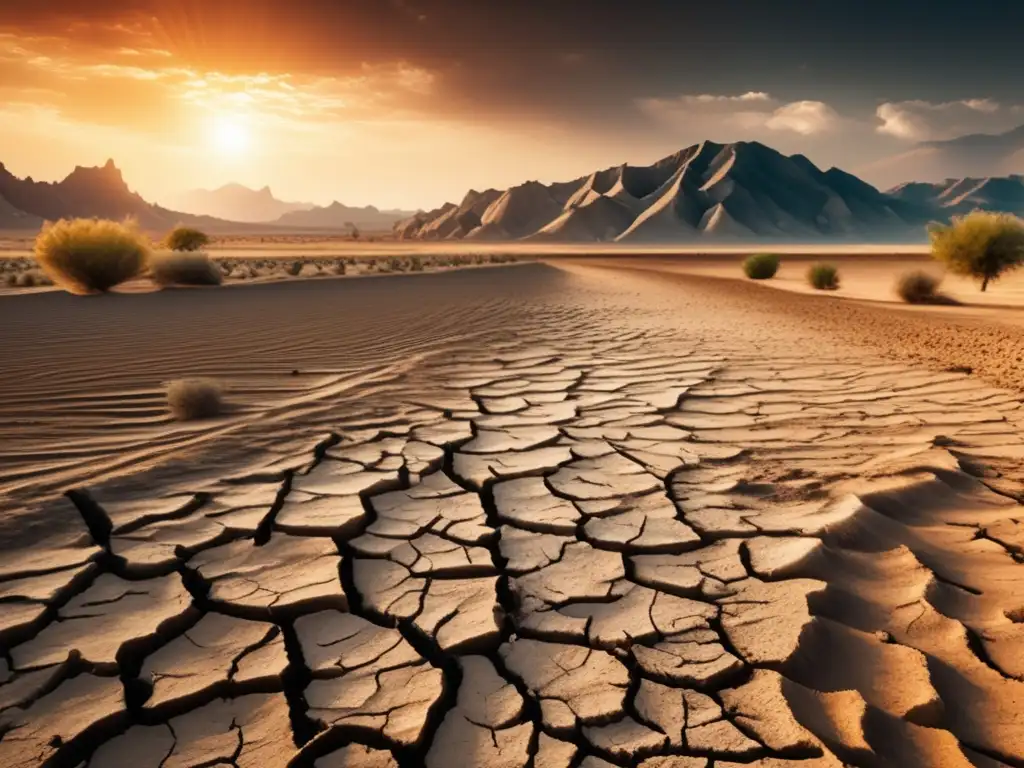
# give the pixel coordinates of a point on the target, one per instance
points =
(91, 255)
(192, 399)
(294, 268)
(981, 245)
(184, 268)
(919, 288)
(761, 266)
(824, 277)
(186, 239)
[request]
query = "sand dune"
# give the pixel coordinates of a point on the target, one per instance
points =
(573, 515)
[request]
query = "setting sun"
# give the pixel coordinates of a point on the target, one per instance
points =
(230, 135)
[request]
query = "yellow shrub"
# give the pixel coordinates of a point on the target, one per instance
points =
(91, 255)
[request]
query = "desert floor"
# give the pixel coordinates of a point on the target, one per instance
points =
(588, 513)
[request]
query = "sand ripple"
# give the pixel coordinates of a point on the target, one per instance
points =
(613, 522)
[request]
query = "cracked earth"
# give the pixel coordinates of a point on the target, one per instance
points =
(615, 543)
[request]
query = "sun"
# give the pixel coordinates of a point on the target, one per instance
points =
(229, 135)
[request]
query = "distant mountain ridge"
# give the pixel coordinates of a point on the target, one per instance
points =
(977, 155)
(744, 191)
(740, 192)
(236, 202)
(87, 192)
(960, 196)
(102, 192)
(340, 216)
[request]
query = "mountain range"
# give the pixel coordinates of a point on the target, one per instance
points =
(340, 216)
(975, 155)
(741, 191)
(235, 202)
(960, 196)
(87, 192)
(102, 192)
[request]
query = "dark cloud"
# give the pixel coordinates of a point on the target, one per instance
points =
(558, 56)
(588, 66)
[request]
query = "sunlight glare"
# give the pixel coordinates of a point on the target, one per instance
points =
(229, 135)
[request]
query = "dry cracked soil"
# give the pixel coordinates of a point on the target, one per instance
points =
(630, 522)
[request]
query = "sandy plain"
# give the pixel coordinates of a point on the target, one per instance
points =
(592, 512)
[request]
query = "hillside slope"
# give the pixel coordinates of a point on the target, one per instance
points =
(729, 192)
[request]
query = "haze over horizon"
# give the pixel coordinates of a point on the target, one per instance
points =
(409, 103)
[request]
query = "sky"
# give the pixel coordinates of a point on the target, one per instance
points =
(410, 103)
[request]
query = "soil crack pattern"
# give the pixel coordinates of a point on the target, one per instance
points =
(614, 551)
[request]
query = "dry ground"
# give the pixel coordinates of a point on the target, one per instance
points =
(543, 516)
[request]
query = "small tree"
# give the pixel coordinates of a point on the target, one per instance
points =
(186, 239)
(981, 245)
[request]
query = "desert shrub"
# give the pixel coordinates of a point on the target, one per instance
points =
(184, 268)
(294, 268)
(11, 279)
(395, 264)
(981, 245)
(761, 266)
(339, 267)
(186, 239)
(415, 264)
(824, 277)
(91, 255)
(191, 399)
(918, 288)
(26, 280)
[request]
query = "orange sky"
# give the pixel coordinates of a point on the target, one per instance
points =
(85, 90)
(409, 103)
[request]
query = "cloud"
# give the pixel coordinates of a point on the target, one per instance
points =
(147, 90)
(804, 117)
(919, 120)
(750, 111)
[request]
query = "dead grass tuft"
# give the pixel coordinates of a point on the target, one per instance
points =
(193, 399)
